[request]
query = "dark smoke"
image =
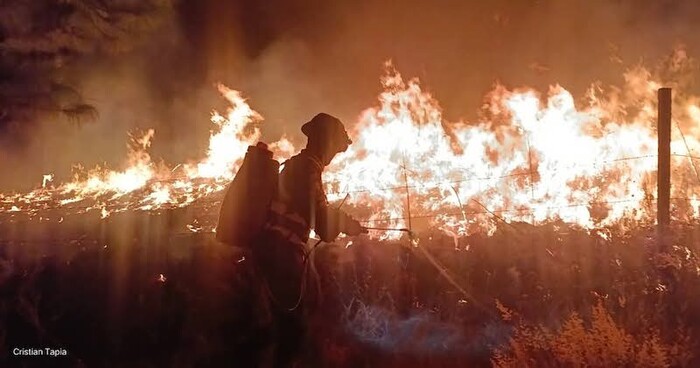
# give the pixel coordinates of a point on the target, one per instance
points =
(295, 58)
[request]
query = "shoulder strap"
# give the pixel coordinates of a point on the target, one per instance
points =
(316, 161)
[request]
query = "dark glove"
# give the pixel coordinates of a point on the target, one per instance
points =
(352, 227)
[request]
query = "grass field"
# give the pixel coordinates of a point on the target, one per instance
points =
(132, 292)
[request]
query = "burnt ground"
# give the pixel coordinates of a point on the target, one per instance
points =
(139, 289)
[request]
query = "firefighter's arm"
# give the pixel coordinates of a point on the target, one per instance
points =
(328, 220)
(333, 221)
(350, 226)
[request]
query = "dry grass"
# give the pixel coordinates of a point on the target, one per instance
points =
(600, 343)
(556, 296)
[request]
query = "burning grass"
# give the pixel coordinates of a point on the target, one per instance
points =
(120, 266)
(530, 156)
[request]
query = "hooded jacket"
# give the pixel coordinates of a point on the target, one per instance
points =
(301, 203)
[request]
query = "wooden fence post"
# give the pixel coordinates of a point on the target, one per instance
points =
(664, 160)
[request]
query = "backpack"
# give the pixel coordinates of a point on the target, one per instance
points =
(245, 207)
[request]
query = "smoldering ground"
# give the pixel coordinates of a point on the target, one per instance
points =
(294, 58)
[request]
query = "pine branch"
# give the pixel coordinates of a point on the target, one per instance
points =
(41, 37)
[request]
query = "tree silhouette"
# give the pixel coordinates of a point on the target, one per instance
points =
(40, 40)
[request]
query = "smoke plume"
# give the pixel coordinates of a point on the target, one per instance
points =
(295, 58)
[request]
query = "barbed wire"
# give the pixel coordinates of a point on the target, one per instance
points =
(524, 211)
(457, 181)
(687, 148)
(687, 156)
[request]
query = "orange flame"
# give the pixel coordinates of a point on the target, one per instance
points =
(530, 157)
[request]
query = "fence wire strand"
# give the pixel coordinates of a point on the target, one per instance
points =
(486, 178)
(524, 211)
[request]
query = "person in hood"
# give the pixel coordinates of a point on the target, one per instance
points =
(279, 254)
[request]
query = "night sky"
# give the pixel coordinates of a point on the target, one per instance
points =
(295, 58)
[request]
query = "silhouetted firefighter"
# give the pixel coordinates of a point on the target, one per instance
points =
(271, 216)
